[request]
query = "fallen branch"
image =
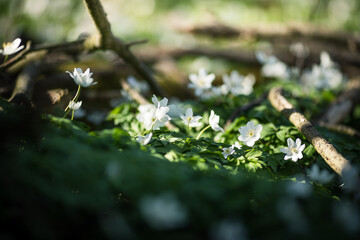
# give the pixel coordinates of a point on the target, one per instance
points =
(344, 104)
(334, 159)
(281, 32)
(109, 41)
(24, 87)
(341, 129)
(244, 55)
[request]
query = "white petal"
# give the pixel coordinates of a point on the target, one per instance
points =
(189, 112)
(285, 150)
(302, 147)
(290, 142)
(250, 142)
(16, 43)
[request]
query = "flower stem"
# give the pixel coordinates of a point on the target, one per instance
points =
(6, 57)
(67, 112)
(188, 129)
(75, 97)
(202, 131)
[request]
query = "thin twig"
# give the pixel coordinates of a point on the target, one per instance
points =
(245, 108)
(136, 42)
(333, 158)
(108, 41)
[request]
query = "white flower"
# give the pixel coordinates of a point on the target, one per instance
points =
(214, 122)
(272, 67)
(144, 140)
(318, 176)
(11, 47)
(294, 150)
(154, 116)
(228, 151)
(163, 212)
(323, 76)
(250, 133)
(201, 82)
(189, 119)
(75, 105)
(238, 84)
(82, 79)
(162, 103)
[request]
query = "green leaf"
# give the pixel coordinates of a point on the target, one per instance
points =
(253, 153)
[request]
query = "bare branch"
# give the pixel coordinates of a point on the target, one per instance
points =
(280, 32)
(136, 42)
(344, 104)
(341, 129)
(108, 41)
(333, 158)
(23, 91)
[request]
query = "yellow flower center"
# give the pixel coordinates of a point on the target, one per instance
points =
(189, 119)
(294, 150)
(250, 133)
(201, 82)
(6, 44)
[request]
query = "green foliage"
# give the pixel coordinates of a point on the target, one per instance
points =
(58, 174)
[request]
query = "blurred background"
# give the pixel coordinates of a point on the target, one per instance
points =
(56, 20)
(182, 36)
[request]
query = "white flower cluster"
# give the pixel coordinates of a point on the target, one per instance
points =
(326, 75)
(235, 84)
(155, 115)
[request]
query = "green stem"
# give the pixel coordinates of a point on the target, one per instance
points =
(202, 131)
(75, 97)
(6, 57)
(67, 112)
(150, 130)
(188, 129)
(72, 114)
